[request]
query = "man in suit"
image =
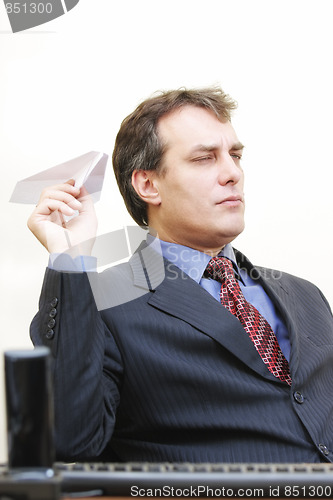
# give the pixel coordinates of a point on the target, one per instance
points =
(149, 365)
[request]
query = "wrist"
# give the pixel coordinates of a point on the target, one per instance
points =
(65, 263)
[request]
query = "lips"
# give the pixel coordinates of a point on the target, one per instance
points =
(232, 200)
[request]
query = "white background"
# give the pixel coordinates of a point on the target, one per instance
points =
(65, 87)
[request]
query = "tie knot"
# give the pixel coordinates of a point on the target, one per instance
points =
(219, 269)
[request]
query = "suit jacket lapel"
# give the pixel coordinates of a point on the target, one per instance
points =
(177, 294)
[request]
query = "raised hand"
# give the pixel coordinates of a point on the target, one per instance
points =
(48, 220)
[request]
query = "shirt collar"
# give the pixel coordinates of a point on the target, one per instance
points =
(190, 261)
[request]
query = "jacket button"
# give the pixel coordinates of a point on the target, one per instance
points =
(324, 450)
(54, 302)
(51, 323)
(53, 313)
(298, 397)
(49, 334)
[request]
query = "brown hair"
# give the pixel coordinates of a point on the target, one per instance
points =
(138, 146)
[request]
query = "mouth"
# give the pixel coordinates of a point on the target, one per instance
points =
(232, 201)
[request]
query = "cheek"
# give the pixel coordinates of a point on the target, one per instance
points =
(190, 192)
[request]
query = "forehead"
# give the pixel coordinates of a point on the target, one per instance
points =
(191, 125)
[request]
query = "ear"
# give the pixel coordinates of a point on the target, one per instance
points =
(144, 184)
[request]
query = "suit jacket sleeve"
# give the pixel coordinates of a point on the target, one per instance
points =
(86, 362)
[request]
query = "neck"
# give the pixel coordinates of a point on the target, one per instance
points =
(210, 251)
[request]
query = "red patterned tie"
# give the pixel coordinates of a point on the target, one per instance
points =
(258, 329)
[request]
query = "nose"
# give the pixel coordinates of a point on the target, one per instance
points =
(230, 170)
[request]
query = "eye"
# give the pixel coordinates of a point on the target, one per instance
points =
(203, 158)
(236, 156)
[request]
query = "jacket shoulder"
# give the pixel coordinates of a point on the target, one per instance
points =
(290, 283)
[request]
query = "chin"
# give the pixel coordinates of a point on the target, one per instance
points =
(233, 229)
(228, 236)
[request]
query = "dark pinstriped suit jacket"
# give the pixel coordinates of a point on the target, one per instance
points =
(160, 371)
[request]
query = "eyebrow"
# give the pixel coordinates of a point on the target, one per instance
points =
(237, 146)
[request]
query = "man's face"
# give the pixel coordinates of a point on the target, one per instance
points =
(200, 188)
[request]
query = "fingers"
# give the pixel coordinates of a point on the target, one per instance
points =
(49, 205)
(62, 197)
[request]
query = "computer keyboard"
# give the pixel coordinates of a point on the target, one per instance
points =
(170, 480)
(199, 480)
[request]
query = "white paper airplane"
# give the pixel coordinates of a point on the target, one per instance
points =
(87, 170)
